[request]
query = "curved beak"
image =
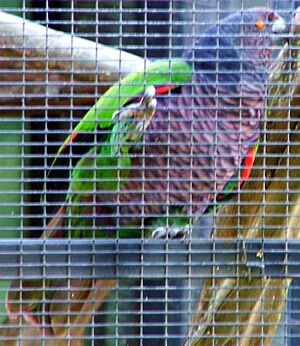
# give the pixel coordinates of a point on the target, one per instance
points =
(279, 26)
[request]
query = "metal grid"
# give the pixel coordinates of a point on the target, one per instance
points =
(233, 279)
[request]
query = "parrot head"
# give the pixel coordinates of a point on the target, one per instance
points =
(242, 41)
(260, 31)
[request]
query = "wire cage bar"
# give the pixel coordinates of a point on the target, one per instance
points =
(149, 172)
(97, 259)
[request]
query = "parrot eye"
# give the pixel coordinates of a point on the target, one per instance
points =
(272, 16)
(260, 24)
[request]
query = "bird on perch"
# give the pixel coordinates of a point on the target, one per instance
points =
(164, 145)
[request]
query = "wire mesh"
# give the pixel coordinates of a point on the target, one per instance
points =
(143, 225)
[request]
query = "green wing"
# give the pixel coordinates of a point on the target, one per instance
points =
(156, 73)
(161, 72)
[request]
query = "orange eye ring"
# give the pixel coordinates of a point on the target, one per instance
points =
(260, 24)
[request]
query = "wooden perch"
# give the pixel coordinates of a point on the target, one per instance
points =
(247, 311)
(40, 65)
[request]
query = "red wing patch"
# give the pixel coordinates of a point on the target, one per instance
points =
(247, 165)
(159, 90)
(69, 141)
(164, 89)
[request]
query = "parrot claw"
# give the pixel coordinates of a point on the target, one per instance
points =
(142, 110)
(148, 95)
(171, 232)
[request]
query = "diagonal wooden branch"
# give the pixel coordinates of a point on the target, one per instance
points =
(246, 311)
(39, 64)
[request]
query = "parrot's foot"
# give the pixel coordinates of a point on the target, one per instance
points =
(171, 232)
(141, 112)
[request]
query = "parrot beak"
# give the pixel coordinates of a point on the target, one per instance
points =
(279, 26)
(280, 30)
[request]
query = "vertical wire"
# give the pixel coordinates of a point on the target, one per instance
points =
(23, 164)
(95, 182)
(264, 321)
(262, 303)
(168, 191)
(44, 299)
(69, 281)
(264, 233)
(143, 177)
(240, 232)
(264, 203)
(118, 225)
(215, 144)
(289, 119)
(68, 213)
(190, 247)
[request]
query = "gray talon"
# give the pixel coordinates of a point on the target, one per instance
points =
(171, 232)
(159, 233)
(148, 95)
(142, 110)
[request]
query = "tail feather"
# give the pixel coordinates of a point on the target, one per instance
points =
(56, 226)
(52, 304)
(24, 298)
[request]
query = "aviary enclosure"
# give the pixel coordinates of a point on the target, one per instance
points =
(149, 172)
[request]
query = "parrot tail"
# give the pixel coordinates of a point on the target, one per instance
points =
(50, 304)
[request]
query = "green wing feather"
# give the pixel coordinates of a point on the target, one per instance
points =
(160, 72)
